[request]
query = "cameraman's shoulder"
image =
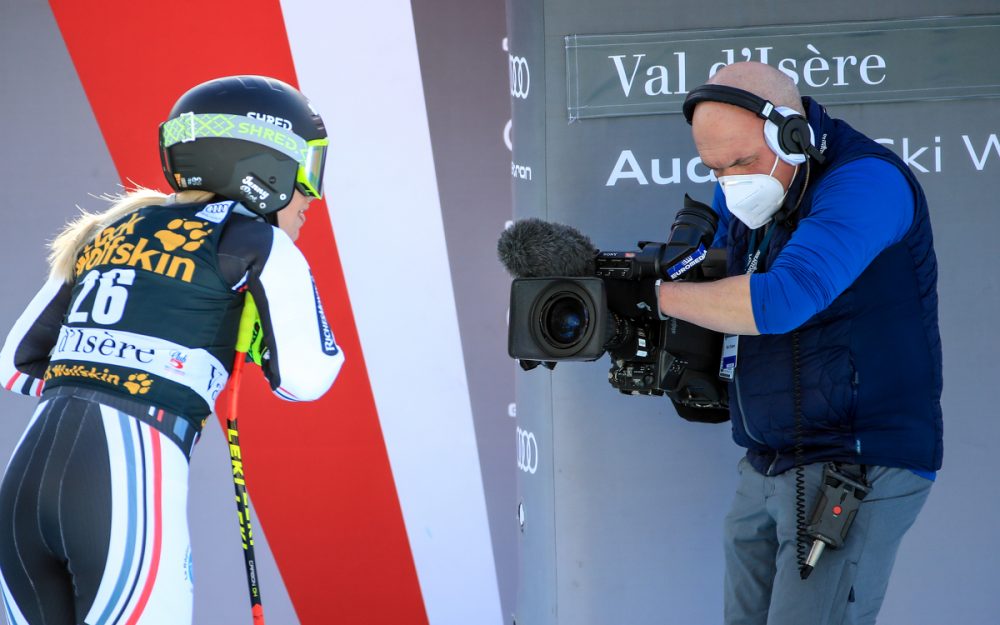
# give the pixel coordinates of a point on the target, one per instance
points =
(872, 194)
(869, 175)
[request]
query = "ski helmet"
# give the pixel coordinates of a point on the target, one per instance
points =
(252, 139)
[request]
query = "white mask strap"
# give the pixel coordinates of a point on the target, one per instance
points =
(775, 166)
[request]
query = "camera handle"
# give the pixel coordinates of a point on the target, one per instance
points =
(834, 512)
(528, 365)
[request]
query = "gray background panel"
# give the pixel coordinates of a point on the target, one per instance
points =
(638, 494)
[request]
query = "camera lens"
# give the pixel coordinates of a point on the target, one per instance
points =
(565, 320)
(555, 319)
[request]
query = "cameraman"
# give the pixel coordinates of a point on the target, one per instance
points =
(832, 293)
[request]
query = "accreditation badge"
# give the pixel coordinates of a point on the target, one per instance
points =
(730, 346)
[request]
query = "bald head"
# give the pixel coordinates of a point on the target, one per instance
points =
(730, 138)
(761, 80)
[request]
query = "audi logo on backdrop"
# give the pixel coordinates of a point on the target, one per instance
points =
(520, 76)
(527, 451)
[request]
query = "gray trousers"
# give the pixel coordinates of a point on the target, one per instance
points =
(762, 585)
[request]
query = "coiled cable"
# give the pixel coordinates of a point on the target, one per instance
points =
(801, 543)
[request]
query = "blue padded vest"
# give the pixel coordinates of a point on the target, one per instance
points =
(868, 367)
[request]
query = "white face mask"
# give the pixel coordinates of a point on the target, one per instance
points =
(753, 198)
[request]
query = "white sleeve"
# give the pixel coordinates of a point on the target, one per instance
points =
(304, 356)
(25, 351)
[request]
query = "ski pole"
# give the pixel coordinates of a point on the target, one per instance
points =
(243, 342)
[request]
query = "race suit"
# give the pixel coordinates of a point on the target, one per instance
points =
(128, 359)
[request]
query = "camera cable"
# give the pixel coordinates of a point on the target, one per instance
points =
(801, 537)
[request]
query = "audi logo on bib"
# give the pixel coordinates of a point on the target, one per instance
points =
(520, 76)
(527, 451)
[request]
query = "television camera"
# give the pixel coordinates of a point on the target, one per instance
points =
(572, 302)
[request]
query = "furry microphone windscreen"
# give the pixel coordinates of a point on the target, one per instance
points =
(533, 248)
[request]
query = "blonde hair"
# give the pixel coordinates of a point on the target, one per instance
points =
(76, 234)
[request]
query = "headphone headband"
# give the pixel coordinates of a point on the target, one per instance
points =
(730, 95)
(793, 134)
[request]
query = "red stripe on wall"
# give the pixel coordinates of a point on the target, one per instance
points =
(318, 472)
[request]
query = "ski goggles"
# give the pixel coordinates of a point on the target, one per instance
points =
(310, 155)
(309, 180)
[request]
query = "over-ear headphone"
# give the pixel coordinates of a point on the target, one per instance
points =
(786, 132)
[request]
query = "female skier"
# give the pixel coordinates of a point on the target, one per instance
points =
(130, 342)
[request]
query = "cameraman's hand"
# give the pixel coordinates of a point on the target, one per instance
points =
(633, 298)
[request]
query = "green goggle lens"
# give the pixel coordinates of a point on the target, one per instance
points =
(310, 175)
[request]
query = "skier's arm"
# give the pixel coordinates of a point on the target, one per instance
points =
(300, 356)
(25, 353)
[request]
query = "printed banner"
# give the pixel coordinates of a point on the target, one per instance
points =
(849, 63)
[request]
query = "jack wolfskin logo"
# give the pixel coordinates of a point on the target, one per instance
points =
(183, 233)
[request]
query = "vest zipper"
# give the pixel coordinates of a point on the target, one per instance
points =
(770, 468)
(743, 414)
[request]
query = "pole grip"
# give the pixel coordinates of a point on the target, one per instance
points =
(244, 338)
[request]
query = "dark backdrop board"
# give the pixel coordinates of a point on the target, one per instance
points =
(623, 515)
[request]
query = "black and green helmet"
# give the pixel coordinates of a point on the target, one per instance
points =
(252, 139)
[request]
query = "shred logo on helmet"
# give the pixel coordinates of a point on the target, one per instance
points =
(271, 119)
(226, 132)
